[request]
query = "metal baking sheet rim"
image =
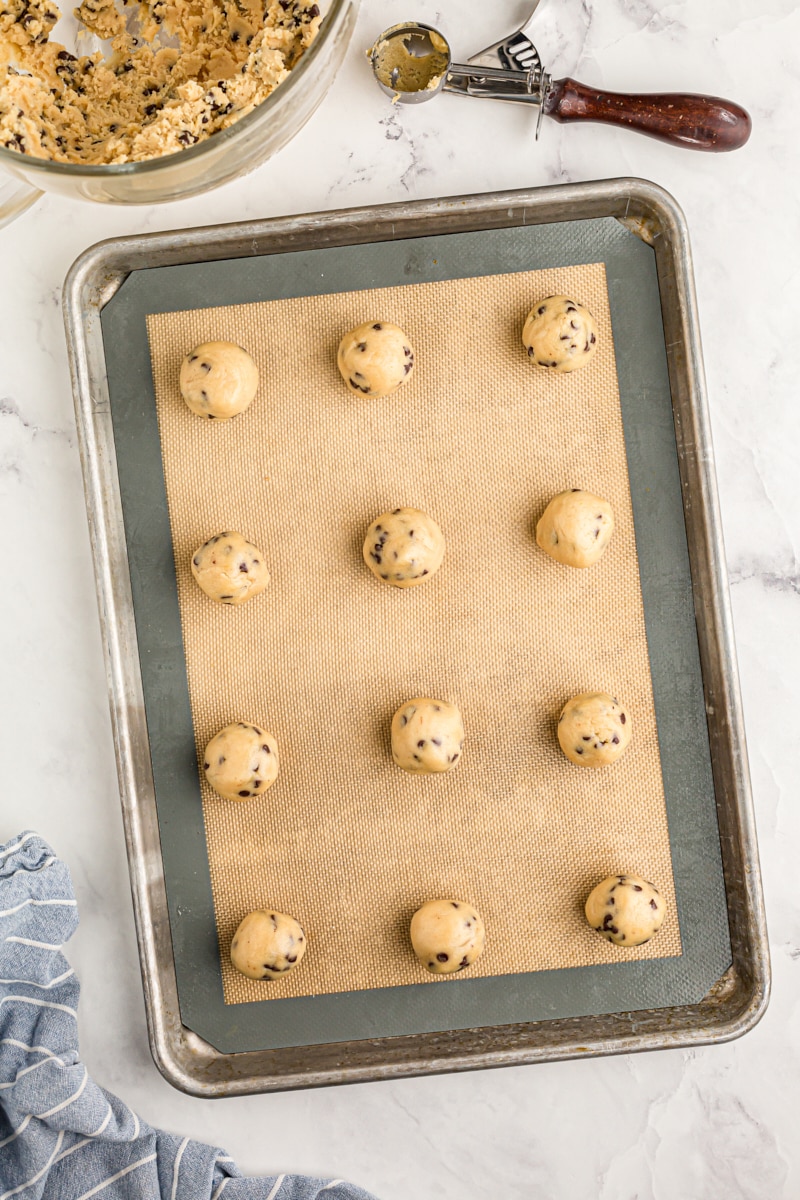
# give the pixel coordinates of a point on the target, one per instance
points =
(737, 1002)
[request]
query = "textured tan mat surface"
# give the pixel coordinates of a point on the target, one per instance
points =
(345, 841)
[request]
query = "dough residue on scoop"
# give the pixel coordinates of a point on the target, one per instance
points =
(190, 69)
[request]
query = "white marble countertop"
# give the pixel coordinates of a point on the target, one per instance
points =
(713, 1122)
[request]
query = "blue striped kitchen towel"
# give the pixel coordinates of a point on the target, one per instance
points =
(62, 1137)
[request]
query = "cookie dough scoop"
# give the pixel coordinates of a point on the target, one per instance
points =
(625, 909)
(241, 761)
(447, 935)
(267, 944)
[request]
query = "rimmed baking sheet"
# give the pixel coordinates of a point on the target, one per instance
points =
(655, 496)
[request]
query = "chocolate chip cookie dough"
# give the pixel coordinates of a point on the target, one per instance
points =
(193, 67)
(447, 935)
(267, 944)
(575, 528)
(560, 333)
(229, 569)
(241, 761)
(404, 547)
(427, 736)
(218, 380)
(594, 729)
(625, 909)
(375, 358)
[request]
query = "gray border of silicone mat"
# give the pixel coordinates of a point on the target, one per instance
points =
(666, 587)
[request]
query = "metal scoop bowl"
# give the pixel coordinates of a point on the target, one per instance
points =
(411, 62)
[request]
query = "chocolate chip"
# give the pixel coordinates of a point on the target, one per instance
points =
(313, 11)
(622, 718)
(395, 511)
(592, 338)
(541, 310)
(206, 766)
(244, 793)
(586, 348)
(377, 327)
(257, 783)
(596, 533)
(455, 756)
(530, 351)
(586, 738)
(436, 741)
(442, 957)
(196, 561)
(186, 138)
(653, 904)
(613, 929)
(403, 718)
(235, 36)
(578, 750)
(454, 904)
(266, 748)
(420, 744)
(243, 567)
(464, 963)
(221, 759)
(637, 887)
(361, 346)
(615, 740)
(291, 958)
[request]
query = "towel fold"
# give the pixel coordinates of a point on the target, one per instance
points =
(62, 1137)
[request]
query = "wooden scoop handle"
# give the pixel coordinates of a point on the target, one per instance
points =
(684, 119)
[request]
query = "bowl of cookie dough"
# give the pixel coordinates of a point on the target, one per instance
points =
(136, 104)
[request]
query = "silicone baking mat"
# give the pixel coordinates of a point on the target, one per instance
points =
(478, 438)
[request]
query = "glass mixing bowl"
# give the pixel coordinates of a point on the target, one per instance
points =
(231, 152)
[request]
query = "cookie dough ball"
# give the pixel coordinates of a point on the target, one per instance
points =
(241, 761)
(218, 380)
(447, 935)
(230, 569)
(625, 909)
(375, 358)
(404, 547)
(594, 729)
(427, 736)
(267, 944)
(560, 334)
(575, 528)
